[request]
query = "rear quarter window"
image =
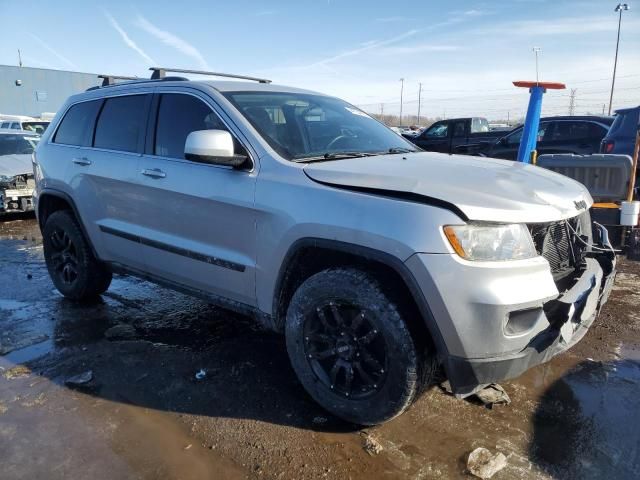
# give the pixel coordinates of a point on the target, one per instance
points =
(77, 125)
(121, 123)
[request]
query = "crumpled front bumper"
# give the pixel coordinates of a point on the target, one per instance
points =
(569, 316)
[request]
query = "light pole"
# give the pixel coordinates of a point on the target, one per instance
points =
(537, 50)
(401, 92)
(619, 8)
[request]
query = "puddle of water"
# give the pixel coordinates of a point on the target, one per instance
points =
(31, 352)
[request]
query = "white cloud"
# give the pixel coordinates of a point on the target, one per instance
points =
(367, 46)
(410, 49)
(56, 54)
(127, 40)
(173, 41)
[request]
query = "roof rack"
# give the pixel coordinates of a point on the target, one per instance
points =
(111, 79)
(160, 72)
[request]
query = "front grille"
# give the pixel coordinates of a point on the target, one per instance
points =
(560, 246)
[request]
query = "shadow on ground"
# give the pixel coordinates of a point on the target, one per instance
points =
(587, 422)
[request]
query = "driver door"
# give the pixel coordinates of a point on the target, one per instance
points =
(197, 219)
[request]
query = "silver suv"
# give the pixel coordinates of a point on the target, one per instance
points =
(379, 262)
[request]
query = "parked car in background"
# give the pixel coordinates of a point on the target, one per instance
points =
(455, 135)
(376, 260)
(621, 137)
(570, 134)
(22, 122)
(16, 170)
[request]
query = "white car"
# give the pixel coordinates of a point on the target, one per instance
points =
(16, 171)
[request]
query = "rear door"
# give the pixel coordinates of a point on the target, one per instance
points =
(571, 136)
(198, 219)
(100, 143)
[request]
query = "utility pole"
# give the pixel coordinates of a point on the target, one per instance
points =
(401, 92)
(572, 102)
(620, 8)
(419, 100)
(19, 58)
(604, 105)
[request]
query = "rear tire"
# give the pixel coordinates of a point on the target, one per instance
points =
(73, 268)
(351, 348)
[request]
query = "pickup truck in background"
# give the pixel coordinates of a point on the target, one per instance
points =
(456, 135)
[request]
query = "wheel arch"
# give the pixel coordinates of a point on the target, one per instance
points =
(50, 201)
(308, 256)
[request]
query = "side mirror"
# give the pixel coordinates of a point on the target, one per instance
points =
(212, 146)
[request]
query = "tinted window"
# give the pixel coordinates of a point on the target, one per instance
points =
(77, 124)
(566, 131)
(15, 126)
(459, 129)
(625, 122)
(121, 123)
(178, 116)
(17, 144)
(4, 125)
(514, 138)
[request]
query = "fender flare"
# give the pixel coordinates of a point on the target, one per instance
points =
(51, 192)
(366, 253)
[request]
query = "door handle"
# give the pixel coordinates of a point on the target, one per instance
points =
(84, 161)
(154, 173)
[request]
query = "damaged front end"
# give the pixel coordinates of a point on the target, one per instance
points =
(583, 266)
(16, 193)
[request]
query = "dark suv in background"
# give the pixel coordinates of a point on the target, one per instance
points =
(570, 134)
(621, 137)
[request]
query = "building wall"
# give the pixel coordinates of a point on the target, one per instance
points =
(42, 90)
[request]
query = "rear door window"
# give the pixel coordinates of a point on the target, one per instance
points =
(178, 116)
(77, 124)
(570, 131)
(121, 124)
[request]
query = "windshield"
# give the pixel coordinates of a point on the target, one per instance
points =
(18, 144)
(304, 126)
(38, 127)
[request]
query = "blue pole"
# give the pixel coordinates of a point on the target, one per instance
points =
(531, 125)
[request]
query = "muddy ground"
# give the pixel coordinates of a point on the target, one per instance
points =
(145, 415)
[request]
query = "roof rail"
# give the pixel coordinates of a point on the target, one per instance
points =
(111, 79)
(160, 72)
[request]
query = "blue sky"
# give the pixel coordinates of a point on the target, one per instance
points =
(465, 53)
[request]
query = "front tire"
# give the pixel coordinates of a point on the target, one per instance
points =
(351, 348)
(73, 268)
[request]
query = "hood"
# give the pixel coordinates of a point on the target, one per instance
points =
(12, 165)
(483, 189)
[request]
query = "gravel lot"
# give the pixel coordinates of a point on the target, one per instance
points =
(145, 415)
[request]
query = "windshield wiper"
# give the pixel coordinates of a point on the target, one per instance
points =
(401, 150)
(334, 156)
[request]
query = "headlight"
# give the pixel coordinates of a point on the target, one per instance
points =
(491, 242)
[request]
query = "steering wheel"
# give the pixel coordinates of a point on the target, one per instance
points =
(340, 138)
